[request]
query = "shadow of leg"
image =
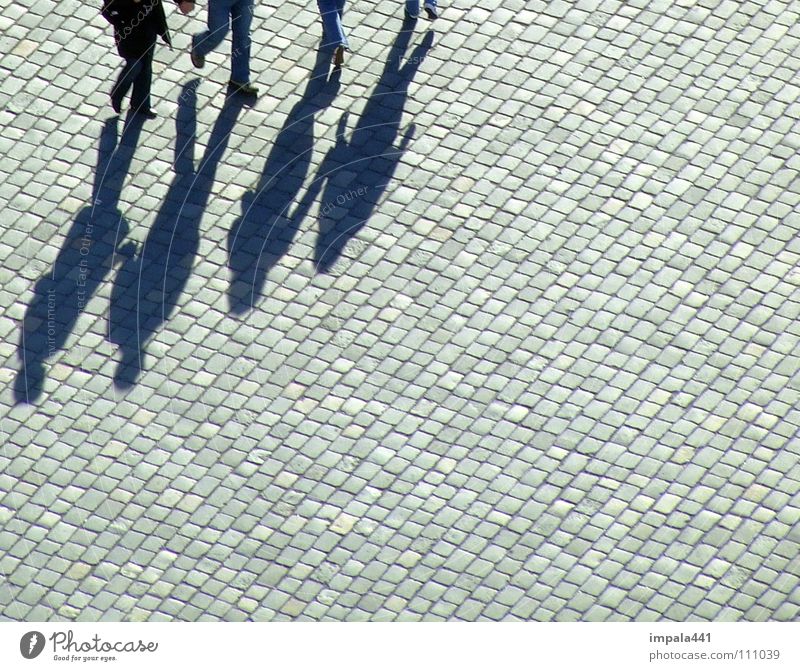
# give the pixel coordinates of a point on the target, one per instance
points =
(265, 230)
(85, 258)
(148, 289)
(357, 173)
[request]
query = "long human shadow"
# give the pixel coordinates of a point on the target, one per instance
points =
(149, 284)
(263, 233)
(368, 160)
(87, 255)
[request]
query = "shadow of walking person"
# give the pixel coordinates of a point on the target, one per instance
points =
(149, 284)
(86, 256)
(264, 232)
(368, 161)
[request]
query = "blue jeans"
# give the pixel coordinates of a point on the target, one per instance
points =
(412, 6)
(331, 12)
(223, 14)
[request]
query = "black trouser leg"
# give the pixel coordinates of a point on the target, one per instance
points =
(140, 99)
(130, 72)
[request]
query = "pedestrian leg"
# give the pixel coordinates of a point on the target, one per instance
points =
(412, 9)
(332, 29)
(127, 76)
(140, 98)
(241, 18)
(219, 12)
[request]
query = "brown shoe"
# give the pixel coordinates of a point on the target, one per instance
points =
(197, 60)
(338, 57)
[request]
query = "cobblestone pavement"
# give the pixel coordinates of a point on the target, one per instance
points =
(500, 324)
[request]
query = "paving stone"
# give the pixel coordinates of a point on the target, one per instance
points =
(521, 343)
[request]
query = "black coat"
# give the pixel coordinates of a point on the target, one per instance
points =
(137, 25)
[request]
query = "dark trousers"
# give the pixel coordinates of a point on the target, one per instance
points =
(137, 73)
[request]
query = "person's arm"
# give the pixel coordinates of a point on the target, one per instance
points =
(120, 12)
(111, 12)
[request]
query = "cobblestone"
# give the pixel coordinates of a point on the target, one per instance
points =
(502, 325)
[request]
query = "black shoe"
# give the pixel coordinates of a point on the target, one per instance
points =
(431, 11)
(245, 88)
(147, 114)
(197, 60)
(116, 103)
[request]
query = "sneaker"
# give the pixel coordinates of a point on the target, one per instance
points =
(198, 60)
(245, 88)
(147, 113)
(410, 16)
(431, 11)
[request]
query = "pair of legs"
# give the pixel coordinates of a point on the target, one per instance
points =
(222, 15)
(137, 73)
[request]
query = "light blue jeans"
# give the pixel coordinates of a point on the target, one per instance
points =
(331, 12)
(222, 15)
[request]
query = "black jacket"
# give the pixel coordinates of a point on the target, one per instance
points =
(137, 25)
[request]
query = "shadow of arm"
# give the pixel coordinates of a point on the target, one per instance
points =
(322, 173)
(186, 128)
